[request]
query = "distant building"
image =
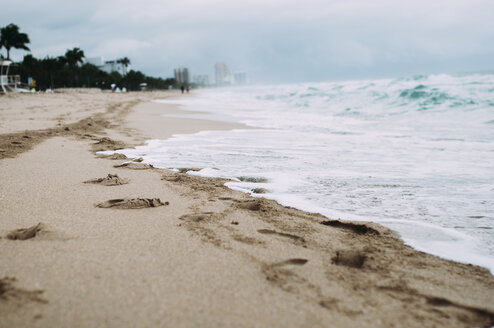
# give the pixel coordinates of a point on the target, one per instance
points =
(222, 74)
(182, 75)
(114, 66)
(96, 61)
(240, 78)
(202, 80)
(109, 66)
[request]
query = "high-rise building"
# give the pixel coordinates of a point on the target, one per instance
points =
(109, 66)
(222, 74)
(182, 75)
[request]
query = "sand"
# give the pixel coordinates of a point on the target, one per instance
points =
(171, 250)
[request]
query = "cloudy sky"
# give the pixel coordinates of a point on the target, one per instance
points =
(273, 40)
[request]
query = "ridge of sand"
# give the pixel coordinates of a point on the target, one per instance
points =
(212, 257)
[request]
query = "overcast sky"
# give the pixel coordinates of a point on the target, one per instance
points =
(273, 40)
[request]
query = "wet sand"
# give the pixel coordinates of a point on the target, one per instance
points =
(88, 242)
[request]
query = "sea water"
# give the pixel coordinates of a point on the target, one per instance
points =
(414, 154)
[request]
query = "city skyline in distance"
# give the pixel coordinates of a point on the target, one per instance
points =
(222, 77)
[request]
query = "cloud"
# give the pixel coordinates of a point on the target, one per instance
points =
(272, 39)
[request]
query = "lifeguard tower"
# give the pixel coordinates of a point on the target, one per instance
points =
(10, 83)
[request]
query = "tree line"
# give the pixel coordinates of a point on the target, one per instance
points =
(70, 70)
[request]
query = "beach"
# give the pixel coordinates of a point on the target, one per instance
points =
(148, 247)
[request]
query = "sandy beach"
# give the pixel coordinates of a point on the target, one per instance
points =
(103, 241)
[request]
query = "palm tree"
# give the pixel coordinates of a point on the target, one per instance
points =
(74, 56)
(11, 38)
(124, 61)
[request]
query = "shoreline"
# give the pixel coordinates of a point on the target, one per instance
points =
(211, 257)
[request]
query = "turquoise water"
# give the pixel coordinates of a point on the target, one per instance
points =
(415, 154)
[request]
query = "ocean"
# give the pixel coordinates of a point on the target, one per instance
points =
(414, 154)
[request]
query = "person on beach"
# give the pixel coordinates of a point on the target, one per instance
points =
(188, 89)
(182, 88)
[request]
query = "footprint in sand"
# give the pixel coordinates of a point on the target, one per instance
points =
(350, 258)
(197, 217)
(294, 261)
(114, 156)
(25, 233)
(247, 240)
(132, 203)
(40, 231)
(109, 180)
(282, 234)
(360, 229)
(9, 292)
(108, 144)
(251, 205)
(290, 281)
(135, 166)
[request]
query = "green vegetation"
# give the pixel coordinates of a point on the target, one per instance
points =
(10, 37)
(124, 61)
(70, 71)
